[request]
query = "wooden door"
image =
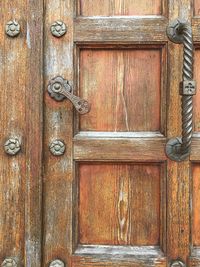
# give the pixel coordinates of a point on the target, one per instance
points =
(113, 198)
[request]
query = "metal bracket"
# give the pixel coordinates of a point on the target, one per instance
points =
(173, 149)
(59, 89)
(173, 31)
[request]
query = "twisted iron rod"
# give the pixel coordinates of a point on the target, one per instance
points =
(187, 101)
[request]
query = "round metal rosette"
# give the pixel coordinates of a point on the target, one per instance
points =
(173, 31)
(57, 263)
(9, 262)
(177, 263)
(12, 146)
(57, 147)
(12, 28)
(58, 28)
(56, 85)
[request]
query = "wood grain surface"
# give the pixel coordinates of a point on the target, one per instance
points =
(119, 204)
(21, 117)
(115, 83)
(113, 198)
(119, 7)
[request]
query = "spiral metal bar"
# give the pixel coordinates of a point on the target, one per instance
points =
(178, 149)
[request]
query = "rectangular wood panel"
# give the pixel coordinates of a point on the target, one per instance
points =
(119, 204)
(119, 7)
(124, 95)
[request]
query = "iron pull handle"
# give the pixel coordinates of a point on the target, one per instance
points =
(178, 148)
(59, 89)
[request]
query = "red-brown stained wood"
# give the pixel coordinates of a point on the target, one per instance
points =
(197, 96)
(196, 204)
(119, 204)
(196, 5)
(119, 7)
(124, 95)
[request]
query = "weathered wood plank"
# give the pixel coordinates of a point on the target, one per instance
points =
(120, 256)
(21, 116)
(124, 29)
(34, 133)
(178, 178)
(122, 148)
(58, 171)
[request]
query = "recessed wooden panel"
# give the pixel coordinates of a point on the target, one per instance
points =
(196, 7)
(119, 204)
(196, 205)
(119, 7)
(123, 87)
(197, 96)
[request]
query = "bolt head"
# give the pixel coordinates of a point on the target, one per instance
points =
(58, 28)
(12, 28)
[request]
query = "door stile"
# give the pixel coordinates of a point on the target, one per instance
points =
(178, 180)
(58, 116)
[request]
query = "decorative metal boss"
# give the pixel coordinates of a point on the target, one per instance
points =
(12, 146)
(57, 147)
(57, 263)
(9, 262)
(12, 28)
(58, 28)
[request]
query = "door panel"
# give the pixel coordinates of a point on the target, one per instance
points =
(119, 7)
(119, 190)
(113, 198)
(110, 74)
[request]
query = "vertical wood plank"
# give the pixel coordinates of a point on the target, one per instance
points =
(196, 205)
(34, 133)
(178, 221)
(21, 116)
(58, 60)
(13, 52)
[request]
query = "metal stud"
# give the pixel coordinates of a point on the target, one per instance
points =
(57, 263)
(57, 147)
(178, 263)
(12, 28)
(58, 28)
(12, 146)
(9, 262)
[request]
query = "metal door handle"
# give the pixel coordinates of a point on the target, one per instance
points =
(178, 148)
(59, 89)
